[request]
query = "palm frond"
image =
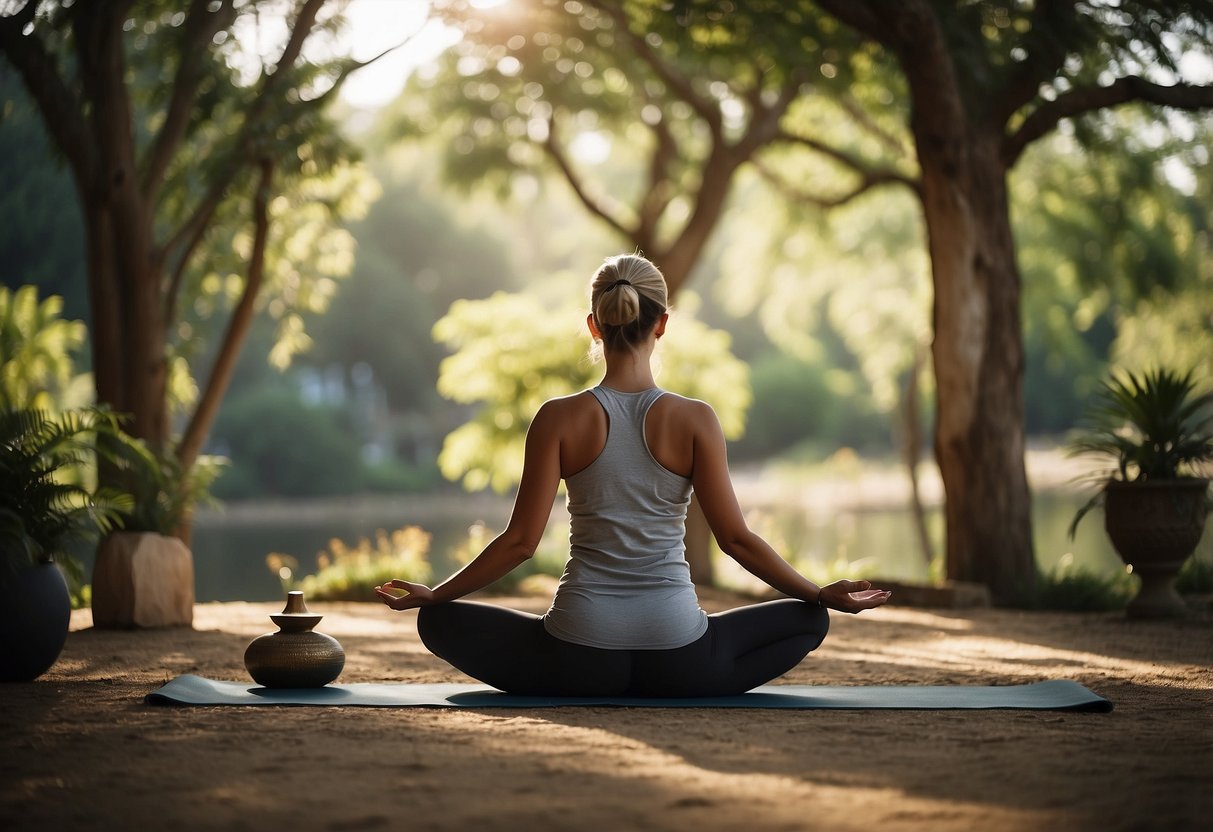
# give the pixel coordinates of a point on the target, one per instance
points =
(1154, 425)
(44, 506)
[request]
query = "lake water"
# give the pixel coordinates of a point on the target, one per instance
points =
(230, 546)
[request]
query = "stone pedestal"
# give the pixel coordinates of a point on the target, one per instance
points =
(143, 579)
(953, 595)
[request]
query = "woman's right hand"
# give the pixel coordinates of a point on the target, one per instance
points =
(852, 596)
(415, 595)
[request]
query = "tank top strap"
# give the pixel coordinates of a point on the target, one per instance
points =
(626, 410)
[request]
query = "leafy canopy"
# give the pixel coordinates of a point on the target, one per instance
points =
(512, 353)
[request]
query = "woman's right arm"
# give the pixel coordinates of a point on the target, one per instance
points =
(532, 506)
(714, 489)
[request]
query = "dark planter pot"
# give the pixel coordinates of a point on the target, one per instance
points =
(1154, 527)
(35, 610)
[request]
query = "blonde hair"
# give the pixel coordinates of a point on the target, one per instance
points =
(627, 296)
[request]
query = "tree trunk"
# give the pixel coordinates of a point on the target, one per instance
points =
(979, 363)
(911, 450)
(128, 331)
(680, 257)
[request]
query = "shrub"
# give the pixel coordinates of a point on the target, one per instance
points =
(1196, 576)
(1067, 588)
(350, 573)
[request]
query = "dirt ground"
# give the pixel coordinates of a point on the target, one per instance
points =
(80, 750)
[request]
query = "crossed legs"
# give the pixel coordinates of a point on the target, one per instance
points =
(510, 650)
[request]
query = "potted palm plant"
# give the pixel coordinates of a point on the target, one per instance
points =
(1157, 429)
(143, 575)
(44, 509)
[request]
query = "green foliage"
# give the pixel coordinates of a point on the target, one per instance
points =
(676, 102)
(416, 255)
(42, 234)
(213, 98)
(535, 575)
(1155, 425)
(508, 365)
(514, 352)
(350, 573)
(849, 289)
(1172, 327)
(164, 492)
(37, 370)
(280, 446)
(394, 477)
(799, 401)
(43, 506)
(1195, 576)
(1068, 589)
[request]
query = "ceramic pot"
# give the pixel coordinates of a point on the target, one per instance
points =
(35, 611)
(295, 656)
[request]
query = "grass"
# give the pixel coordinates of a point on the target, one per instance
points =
(1070, 589)
(1081, 590)
(1196, 577)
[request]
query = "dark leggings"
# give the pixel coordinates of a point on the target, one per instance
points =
(511, 650)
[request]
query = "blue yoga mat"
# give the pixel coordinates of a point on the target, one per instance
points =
(1056, 694)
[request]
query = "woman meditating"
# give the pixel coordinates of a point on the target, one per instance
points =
(625, 620)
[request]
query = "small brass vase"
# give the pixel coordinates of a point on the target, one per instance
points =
(295, 656)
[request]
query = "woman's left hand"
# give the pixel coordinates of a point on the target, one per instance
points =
(415, 595)
(852, 596)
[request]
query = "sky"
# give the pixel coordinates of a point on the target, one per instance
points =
(376, 25)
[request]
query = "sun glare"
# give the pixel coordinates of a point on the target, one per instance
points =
(376, 25)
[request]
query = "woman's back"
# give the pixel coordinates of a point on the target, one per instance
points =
(625, 619)
(626, 584)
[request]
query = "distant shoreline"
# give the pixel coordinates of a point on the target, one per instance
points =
(443, 505)
(865, 486)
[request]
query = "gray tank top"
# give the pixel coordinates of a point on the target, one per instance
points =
(627, 585)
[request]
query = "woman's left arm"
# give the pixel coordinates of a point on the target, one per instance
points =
(515, 545)
(714, 488)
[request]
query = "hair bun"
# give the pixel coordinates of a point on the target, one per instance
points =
(618, 306)
(627, 295)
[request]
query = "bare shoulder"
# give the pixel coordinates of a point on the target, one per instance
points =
(564, 410)
(692, 412)
(576, 425)
(570, 403)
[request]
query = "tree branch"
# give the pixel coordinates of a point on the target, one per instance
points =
(866, 17)
(850, 161)
(764, 120)
(195, 225)
(866, 183)
(1040, 64)
(196, 231)
(57, 102)
(304, 21)
(1081, 100)
(200, 27)
(233, 337)
(660, 190)
(552, 148)
(680, 85)
(864, 119)
(242, 148)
